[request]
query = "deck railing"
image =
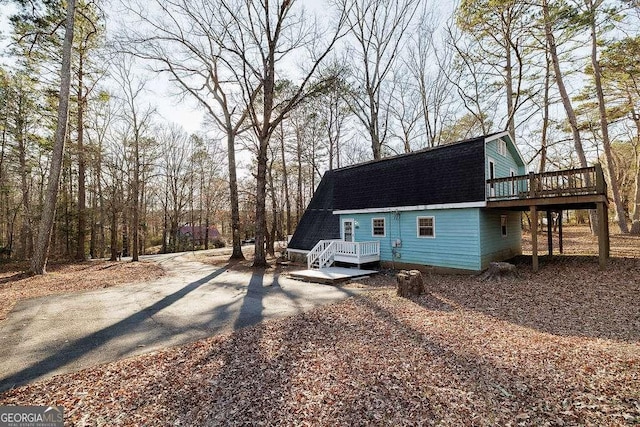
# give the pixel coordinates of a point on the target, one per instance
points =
(570, 182)
(318, 250)
(358, 249)
(324, 251)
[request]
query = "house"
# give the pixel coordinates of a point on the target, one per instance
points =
(198, 233)
(456, 206)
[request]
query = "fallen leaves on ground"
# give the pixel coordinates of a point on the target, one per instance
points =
(561, 347)
(15, 285)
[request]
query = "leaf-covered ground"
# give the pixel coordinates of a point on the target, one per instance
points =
(561, 347)
(15, 285)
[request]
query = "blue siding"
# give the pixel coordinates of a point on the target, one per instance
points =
(494, 246)
(504, 165)
(456, 243)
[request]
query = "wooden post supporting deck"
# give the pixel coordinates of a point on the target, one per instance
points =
(560, 231)
(603, 235)
(549, 233)
(606, 234)
(534, 238)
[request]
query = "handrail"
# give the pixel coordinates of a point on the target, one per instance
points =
(314, 253)
(327, 255)
(589, 180)
(325, 250)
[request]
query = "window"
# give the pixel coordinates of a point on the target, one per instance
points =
(513, 181)
(426, 226)
(502, 147)
(503, 225)
(377, 227)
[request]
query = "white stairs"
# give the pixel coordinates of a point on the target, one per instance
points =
(322, 255)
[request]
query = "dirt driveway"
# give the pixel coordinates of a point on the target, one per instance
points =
(46, 336)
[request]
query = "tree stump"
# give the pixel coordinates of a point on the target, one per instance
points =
(409, 283)
(499, 271)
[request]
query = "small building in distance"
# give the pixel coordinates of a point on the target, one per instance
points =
(197, 234)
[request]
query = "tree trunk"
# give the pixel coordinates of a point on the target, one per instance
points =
(25, 228)
(260, 258)
(511, 127)
(285, 178)
(271, 247)
(80, 250)
(299, 199)
(409, 283)
(604, 123)
(566, 101)
(236, 253)
(114, 235)
(136, 194)
(545, 115)
(39, 260)
(635, 219)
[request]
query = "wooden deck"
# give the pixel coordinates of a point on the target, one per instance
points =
(583, 188)
(330, 275)
(579, 188)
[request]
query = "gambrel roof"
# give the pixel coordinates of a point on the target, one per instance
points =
(449, 174)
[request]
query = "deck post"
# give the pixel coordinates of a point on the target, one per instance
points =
(560, 231)
(603, 235)
(534, 238)
(606, 232)
(532, 185)
(549, 233)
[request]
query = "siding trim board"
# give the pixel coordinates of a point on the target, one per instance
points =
(511, 146)
(482, 204)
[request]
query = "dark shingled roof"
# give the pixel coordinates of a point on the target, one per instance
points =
(318, 221)
(453, 173)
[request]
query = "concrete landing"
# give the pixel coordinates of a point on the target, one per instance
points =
(330, 275)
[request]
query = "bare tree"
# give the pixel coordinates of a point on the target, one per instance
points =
(559, 79)
(593, 11)
(186, 40)
(471, 84)
(379, 31)
(498, 29)
(257, 41)
(138, 120)
(432, 87)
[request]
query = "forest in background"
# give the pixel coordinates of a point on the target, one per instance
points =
(289, 92)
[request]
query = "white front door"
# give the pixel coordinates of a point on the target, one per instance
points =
(347, 230)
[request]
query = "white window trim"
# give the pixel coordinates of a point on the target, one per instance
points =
(492, 187)
(514, 186)
(384, 227)
(433, 219)
(502, 147)
(506, 226)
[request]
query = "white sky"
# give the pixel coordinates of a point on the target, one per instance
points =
(160, 90)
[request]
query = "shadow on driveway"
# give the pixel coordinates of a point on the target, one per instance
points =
(76, 349)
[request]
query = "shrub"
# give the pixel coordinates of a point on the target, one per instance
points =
(218, 243)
